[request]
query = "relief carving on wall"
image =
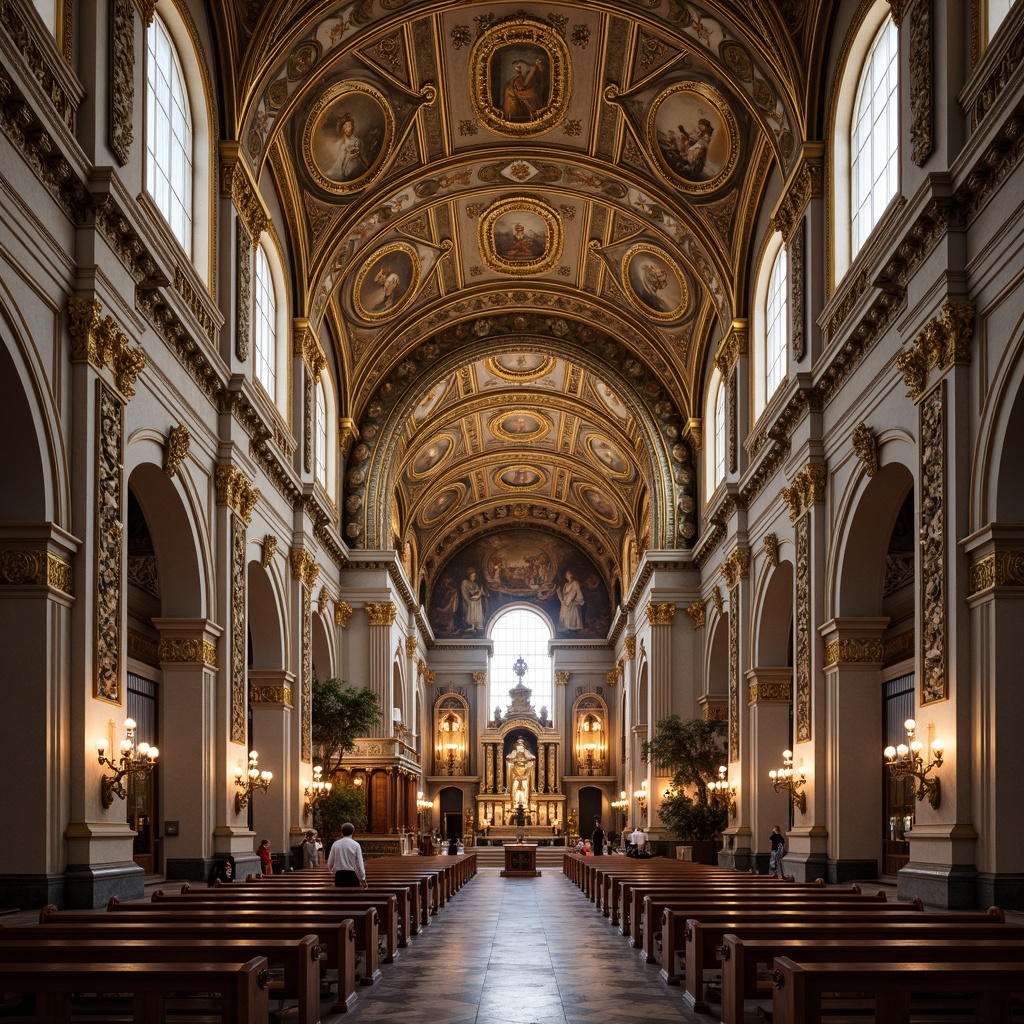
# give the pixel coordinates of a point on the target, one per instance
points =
(807, 489)
(21, 568)
(307, 675)
(109, 526)
(802, 710)
(697, 613)
(933, 546)
(238, 646)
(942, 341)
(734, 680)
(243, 298)
(179, 439)
(922, 137)
(122, 78)
(796, 286)
(865, 447)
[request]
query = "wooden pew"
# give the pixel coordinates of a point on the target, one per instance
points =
(242, 987)
(300, 959)
(741, 958)
(799, 987)
(701, 938)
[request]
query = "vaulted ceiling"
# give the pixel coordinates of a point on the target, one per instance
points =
(521, 227)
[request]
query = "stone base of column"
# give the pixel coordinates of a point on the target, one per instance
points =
(189, 869)
(743, 860)
(90, 888)
(843, 872)
(946, 886)
(805, 867)
(1002, 889)
(30, 891)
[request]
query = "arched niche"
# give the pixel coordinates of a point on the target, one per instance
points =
(267, 647)
(773, 643)
(451, 734)
(590, 734)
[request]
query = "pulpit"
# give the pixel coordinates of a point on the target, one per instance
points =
(520, 860)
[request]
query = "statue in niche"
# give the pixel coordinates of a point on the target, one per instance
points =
(520, 764)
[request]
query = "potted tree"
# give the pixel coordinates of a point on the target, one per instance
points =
(691, 752)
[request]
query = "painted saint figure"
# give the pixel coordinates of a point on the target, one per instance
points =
(388, 281)
(525, 94)
(348, 160)
(522, 247)
(472, 602)
(571, 596)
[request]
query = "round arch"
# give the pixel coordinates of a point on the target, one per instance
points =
(267, 628)
(323, 649)
(773, 620)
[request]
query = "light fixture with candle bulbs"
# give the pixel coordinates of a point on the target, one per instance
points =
(250, 780)
(316, 790)
(905, 761)
(622, 804)
(138, 761)
(723, 791)
(640, 795)
(789, 779)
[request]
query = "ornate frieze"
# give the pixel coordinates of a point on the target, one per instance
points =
(20, 568)
(797, 343)
(865, 447)
(239, 712)
(198, 300)
(342, 613)
(381, 613)
(176, 447)
(806, 182)
(411, 643)
(996, 569)
(236, 182)
(142, 648)
(243, 290)
(265, 693)
(802, 710)
(941, 343)
(807, 489)
(736, 567)
(933, 545)
(479, 678)
(922, 135)
(734, 681)
(109, 527)
(236, 491)
(697, 612)
(661, 613)
(304, 568)
(306, 345)
(562, 677)
(853, 650)
(715, 713)
(122, 78)
(765, 693)
(771, 549)
(629, 645)
(102, 343)
(192, 650)
(898, 648)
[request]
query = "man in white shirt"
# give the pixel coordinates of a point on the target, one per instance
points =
(639, 839)
(346, 860)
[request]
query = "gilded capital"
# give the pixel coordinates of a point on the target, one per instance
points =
(102, 343)
(771, 549)
(694, 434)
(236, 491)
(306, 344)
(479, 678)
(429, 677)
(715, 713)
(854, 650)
(342, 613)
(697, 612)
(304, 567)
(764, 692)
(176, 448)
(187, 649)
(716, 597)
(865, 447)
(562, 677)
(381, 613)
(736, 567)
(941, 343)
(411, 643)
(35, 568)
(661, 613)
(808, 488)
(629, 645)
(269, 549)
(270, 694)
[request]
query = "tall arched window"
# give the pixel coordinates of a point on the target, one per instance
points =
(320, 448)
(168, 133)
(265, 325)
(521, 633)
(776, 320)
(874, 136)
(719, 433)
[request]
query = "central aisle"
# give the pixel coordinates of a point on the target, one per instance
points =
(523, 951)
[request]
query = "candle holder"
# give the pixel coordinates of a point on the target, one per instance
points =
(786, 778)
(905, 761)
(250, 781)
(138, 761)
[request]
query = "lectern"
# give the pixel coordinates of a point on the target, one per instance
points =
(520, 860)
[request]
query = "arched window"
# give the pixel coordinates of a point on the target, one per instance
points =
(874, 136)
(320, 447)
(996, 11)
(776, 317)
(168, 133)
(719, 433)
(521, 633)
(265, 325)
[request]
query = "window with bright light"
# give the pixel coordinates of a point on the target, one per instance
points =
(874, 136)
(264, 325)
(320, 449)
(168, 134)
(521, 633)
(776, 315)
(720, 434)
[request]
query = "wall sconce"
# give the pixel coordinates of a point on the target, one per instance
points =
(905, 761)
(785, 778)
(133, 761)
(622, 804)
(316, 790)
(250, 781)
(723, 791)
(640, 795)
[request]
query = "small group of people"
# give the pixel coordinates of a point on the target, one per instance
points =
(636, 843)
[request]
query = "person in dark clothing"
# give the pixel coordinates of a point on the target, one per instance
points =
(778, 841)
(597, 839)
(223, 871)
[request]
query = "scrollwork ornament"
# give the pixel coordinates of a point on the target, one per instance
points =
(109, 527)
(922, 137)
(307, 674)
(760, 693)
(238, 632)
(797, 342)
(187, 650)
(243, 302)
(479, 678)
(734, 682)
(941, 343)
(270, 694)
(933, 546)
(698, 613)
(629, 646)
(35, 568)
(269, 549)
(235, 490)
(176, 448)
(411, 643)
(802, 711)
(304, 568)
(716, 600)
(562, 677)
(736, 567)
(854, 651)
(771, 549)
(122, 78)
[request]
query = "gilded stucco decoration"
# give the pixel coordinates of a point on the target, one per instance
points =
(342, 614)
(520, 77)
(854, 651)
(306, 683)
(661, 613)
(109, 527)
(922, 133)
(805, 183)
(629, 646)
(236, 183)
(934, 684)
(411, 643)
(997, 569)
(306, 344)
(562, 677)
(736, 567)
(387, 281)
(187, 650)
(122, 78)
(653, 282)
(243, 290)
(764, 693)
(771, 549)
(25, 567)
(235, 490)
(381, 613)
(802, 653)
(267, 693)
(807, 489)
(239, 730)
(176, 448)
(479, 678)
(715, 713)
(698, 613)
(941, 343)
(520, 236)
(734, 345)
(717, 601)
(304, 568)
(102, 343)
(734, 681)
(865, 447)
(795, 247)
(269, 549)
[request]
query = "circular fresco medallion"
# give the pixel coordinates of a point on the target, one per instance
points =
(440, 503)
(520, 237)
(520, 78)
(694, 136)
(348, 136)
(653, 282)
(608, 457)
(386, 282)
(520, 425)
(431, 455)
(599, 503)
(520, 367)
(519, 478)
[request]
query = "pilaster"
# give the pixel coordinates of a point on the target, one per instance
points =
(661, 618)
(274, 812)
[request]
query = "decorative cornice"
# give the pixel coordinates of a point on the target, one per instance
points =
(629, 645)
(102, 343)
(381, 613)
(306, 344)
(479, 678)
(342, 613)
(734, 345)
(806, 182)
(20, 568)
(562, 677)
(237, 184)
(865, 447)
(304, 567)
(693, 434)
(771, 549)
(736, 567)
(187, 649)
(996, 569)
(269, 550)
(236, 491)
(808, 489)
(763, 693)
(941, 343)
(176, 448)
(661, 613)
(698, 612)
(266, 693)
(854, 650)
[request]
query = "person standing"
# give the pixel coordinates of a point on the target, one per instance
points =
(598, 839)
(778, 841)
(310, 854)
(346, 860)
(266, 857)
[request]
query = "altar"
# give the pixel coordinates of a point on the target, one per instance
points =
(520, 860)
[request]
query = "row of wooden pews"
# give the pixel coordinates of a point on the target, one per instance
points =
(284, 937)
(814, 940)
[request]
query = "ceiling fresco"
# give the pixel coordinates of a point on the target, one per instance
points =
(520, 229)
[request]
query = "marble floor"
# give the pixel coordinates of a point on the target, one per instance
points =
(519, 951)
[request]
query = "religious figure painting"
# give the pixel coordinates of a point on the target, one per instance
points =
(431, 454)
(519, 566)
(522, 477)
(608, 456)
(694, 135)
(520, 425)
(600, 503)
(348, 134)
(386, 281)
(439, 504)
(520, 236)
(653, 283)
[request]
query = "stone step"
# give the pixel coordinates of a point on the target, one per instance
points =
(494, 856)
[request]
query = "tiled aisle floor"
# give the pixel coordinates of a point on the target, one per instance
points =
(522, 951)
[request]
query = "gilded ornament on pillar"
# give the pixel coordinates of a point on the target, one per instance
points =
(121, 130)
(697, 612)
(802, 644)
(194, 650)
(734, 683)
(693, 434)
(304, 568)
(629, 645)
(734, 345)
(771, 549)
(109, 506)
(932, 411)
(854, 650)
(715, 713)
(270, 694)
(411, 643)
(716, 597)
(236, 491)
(736, 567)
(808, 489)
(381, 613)
(996, 569)
(348, 434)
(865, 447)
(243, 290)
(429, 677)
(612, 677)
(20, 568)
(806, 182)
(237, 183)
(176, 448)
(661, 613)
(342, 613)
(562, 677)
(941, 343)
(269, 548)
(760, 693)
(479, 678)
(239, 646)
(306, 344)
(102, 343)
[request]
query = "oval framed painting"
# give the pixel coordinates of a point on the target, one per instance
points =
(520, 237)
(600, 504)
(608, 457)
(520, 426)
(520, 77)
(694, 136)
(431, 456)
(348, 136)
(386, 282)
(653, 282)
(440, 503)
(519, 478)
